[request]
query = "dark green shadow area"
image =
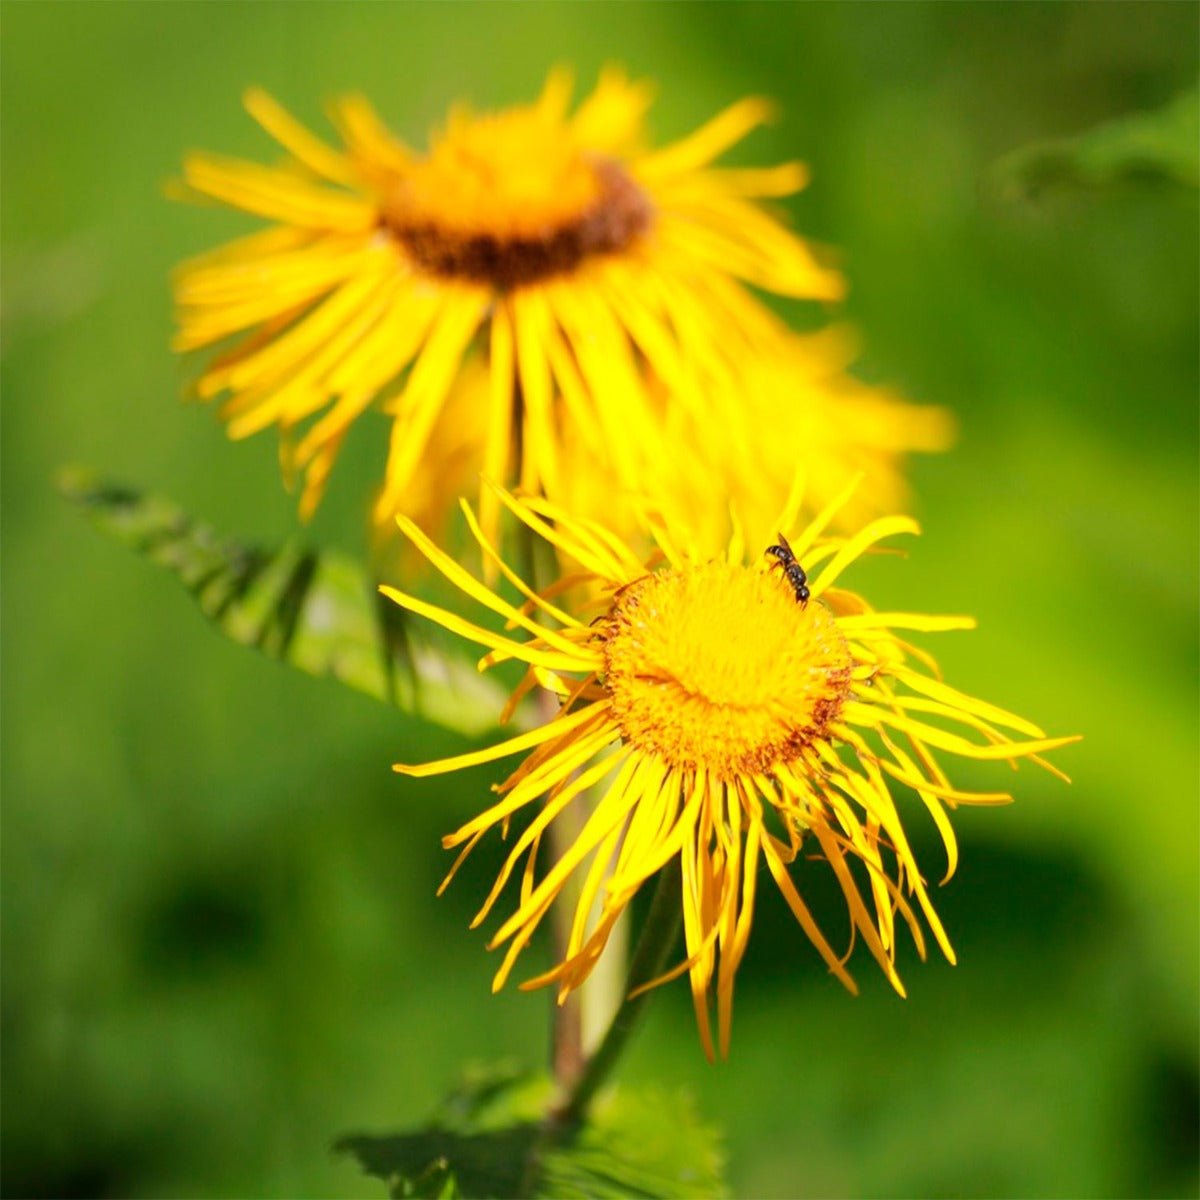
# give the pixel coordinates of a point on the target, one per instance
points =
(438, 1162)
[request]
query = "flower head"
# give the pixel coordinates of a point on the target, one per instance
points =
(795, 409)
(725, 712)
(803, 412)
(575, 258)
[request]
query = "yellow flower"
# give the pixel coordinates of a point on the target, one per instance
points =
(801, 411)
(575, 254)
(725, 717)
(795, 409)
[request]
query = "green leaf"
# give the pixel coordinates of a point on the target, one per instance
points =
(484, 1140)
(491, 1138)
(314, 609)
(1163, 144)
(648, 1142)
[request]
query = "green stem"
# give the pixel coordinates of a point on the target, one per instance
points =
(567, 1050)
(658, 938)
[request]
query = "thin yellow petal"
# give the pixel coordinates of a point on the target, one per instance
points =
(923, 622)
(876, 531)
(707, 142)
(524, 741)
(520, 650)
(297, 140)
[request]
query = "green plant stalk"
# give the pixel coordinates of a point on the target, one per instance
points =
(579, 1023)
(568, 1049)
(604, 990)
(567, 1053)
(566, 1021)
(658, 937)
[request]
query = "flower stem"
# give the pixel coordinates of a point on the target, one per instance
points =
(649, 960)
(567, 1048)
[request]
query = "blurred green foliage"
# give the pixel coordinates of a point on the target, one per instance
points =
(1160, 145)
(221, 946)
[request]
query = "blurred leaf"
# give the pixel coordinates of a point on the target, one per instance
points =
(1163, 144)
(490, 1138)
(314, 609)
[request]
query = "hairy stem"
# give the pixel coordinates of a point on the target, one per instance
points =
(567, 1051)
(658, 937)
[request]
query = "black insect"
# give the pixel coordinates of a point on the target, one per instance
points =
(791, 568)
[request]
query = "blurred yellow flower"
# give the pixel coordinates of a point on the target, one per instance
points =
(800, 411)
(794, 410)
(726, 712)
(579, 260)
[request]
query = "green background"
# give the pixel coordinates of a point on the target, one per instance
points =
(221, 946)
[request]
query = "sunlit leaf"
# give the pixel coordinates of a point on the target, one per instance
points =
(491, 1138)
(314, 609)
(1163, 144)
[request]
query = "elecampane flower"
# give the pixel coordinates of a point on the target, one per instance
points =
(555, 242)
(726, 712)
(795, 409)
(801, 411)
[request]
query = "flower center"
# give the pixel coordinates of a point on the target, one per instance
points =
(721, 667)
(510, 198)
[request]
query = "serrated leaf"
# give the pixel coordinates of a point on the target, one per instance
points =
(1163, 144)
(316, 610)
(491, 1138)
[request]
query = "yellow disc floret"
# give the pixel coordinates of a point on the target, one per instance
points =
(750, 697)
